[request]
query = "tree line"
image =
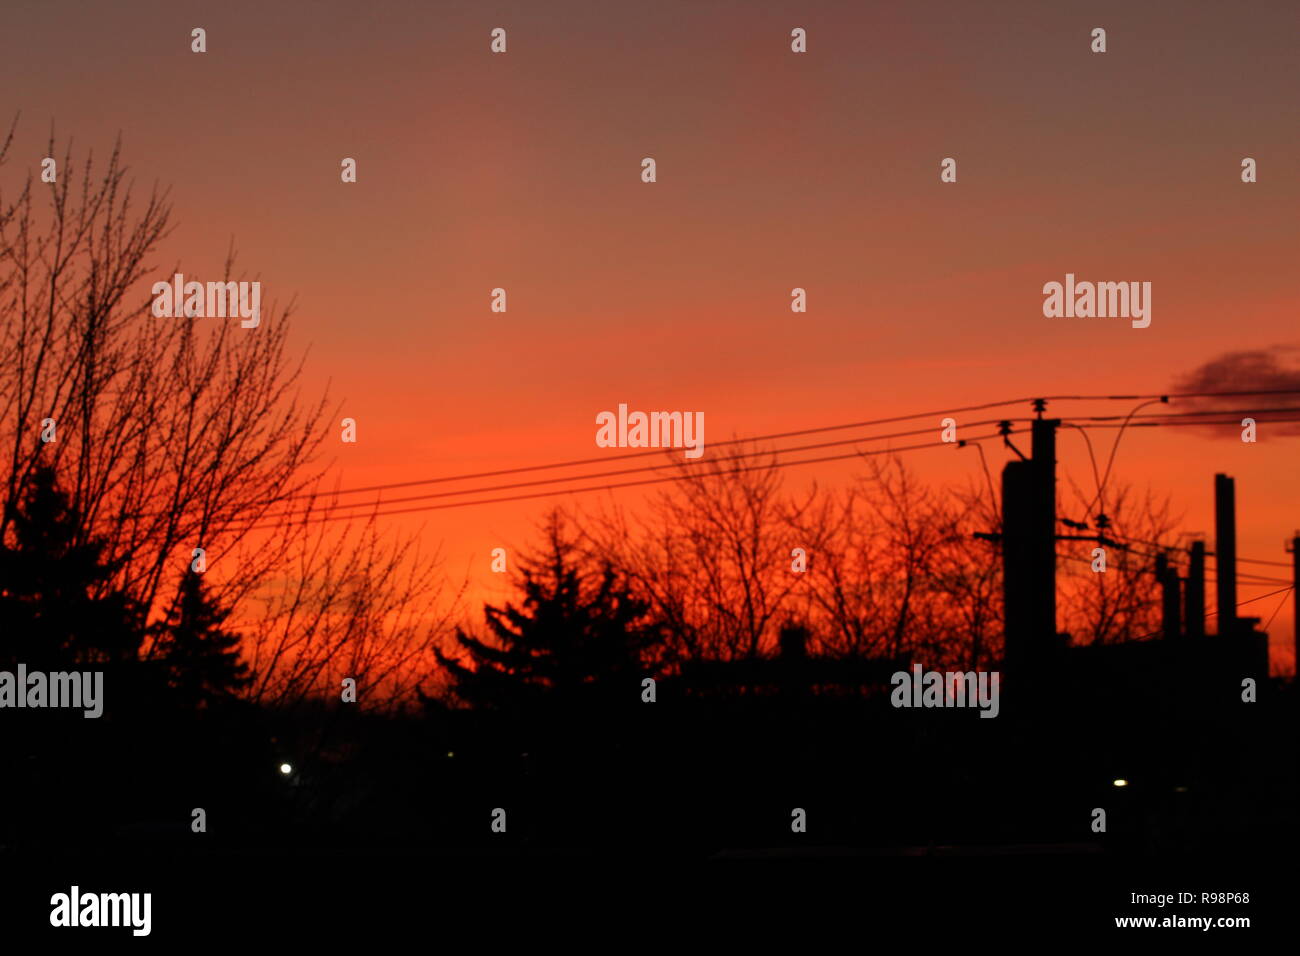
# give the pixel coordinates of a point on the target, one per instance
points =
(136, 449)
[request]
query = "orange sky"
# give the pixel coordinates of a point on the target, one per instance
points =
(775, 170)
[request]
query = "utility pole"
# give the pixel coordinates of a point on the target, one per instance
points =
(1029, 549)
(1225, 550)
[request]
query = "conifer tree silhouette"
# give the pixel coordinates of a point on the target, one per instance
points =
(577, 636)
(58, 604)
(201, 661)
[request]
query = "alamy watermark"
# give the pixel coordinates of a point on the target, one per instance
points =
(947, 689)
(211, 300)
(653, 430)
(1086, 300)
(103, 909)
(78, 690)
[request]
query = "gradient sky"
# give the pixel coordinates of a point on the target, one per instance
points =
(775, 170)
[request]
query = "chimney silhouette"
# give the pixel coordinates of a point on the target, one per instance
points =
(1170, 594)
(1295, 597)
(1225, 551)
(1194, 596)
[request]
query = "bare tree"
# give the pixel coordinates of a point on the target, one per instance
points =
(167, 435)
(712, 554)
(349, 603)
(898, 571)
(892, 568)
(1123, 602)
(173, 434)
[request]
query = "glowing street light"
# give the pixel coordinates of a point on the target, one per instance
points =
(1121, 782)
(286, 769)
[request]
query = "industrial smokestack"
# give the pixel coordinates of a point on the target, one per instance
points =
(1295, 597)
(1195, 594)
(1170, 594)
(1225, 550)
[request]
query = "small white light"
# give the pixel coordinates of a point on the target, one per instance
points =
(285, 768)
(451, 753)
(1121, 782)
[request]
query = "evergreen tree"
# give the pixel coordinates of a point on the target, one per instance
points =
(201, 661)
(59, 606)
(577, 636)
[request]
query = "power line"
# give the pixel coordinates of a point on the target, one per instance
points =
(1276, 564)
(1164, 395)
(1100, 483)
(604, 459)
(1207, 616)
(1193, 424)
(316, 495)
(1259, 597)
(1096, 475)
(629, 471)
(1105, 478)
(993, 498)
(1278, 608)
(355, 506)
(1175, 415)
(1209, 554)
(306, 516)
(1262, 391)
(779, 435)
(1211, 614)
(628, 484)
(1256, 579)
